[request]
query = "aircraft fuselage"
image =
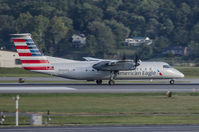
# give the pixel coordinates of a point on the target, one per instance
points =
(83, 70)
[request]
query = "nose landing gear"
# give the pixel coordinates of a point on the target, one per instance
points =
(111, 82)
(172, 81)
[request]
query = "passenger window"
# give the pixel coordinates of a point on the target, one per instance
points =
(166, 66)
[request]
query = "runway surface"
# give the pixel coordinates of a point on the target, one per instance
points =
(147, 128)
(93, 88)
(188, 80)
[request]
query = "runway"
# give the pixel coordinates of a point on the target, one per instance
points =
(146, 128)
(188, 80)
(93, 88)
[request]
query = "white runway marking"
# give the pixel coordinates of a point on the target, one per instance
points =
(35, 88)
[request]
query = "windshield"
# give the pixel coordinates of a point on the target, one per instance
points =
(166, 66)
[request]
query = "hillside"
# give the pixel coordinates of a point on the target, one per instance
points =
(105, 23)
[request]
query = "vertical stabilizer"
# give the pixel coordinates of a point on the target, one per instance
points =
(30, 56)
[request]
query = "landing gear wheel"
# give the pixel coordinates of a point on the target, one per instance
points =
(99, 82)
(111, 82)
(172, 81)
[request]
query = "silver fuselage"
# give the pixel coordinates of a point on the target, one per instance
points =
(83, 70)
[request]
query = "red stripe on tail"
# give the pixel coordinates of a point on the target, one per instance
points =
(40, 68)
(21, 47)
(34, 61)
(19, 40)
(25, 54)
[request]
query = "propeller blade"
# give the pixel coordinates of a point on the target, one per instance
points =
(136, 60)
(124, 57)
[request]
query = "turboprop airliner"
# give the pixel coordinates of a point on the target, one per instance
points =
(92, 69)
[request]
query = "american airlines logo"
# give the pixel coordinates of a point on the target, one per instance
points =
(139, 73)
(159, 73)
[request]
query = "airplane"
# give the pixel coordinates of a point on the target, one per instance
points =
(92, 69)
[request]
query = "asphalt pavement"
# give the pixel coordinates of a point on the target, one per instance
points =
(187, 80)
(146, 128)
(93, 88)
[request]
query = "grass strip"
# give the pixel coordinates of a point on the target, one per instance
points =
(189, 72)
(100, 109)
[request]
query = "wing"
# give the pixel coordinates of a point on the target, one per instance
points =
(115, 65)
(92, 59)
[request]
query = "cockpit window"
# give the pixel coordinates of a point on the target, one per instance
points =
(166, 66)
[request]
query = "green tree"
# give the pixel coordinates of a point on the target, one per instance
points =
(119, 31)
(4, 8)
(145, 51)
(195, 33)
(168, 26)
(182, 15)
(104, 38)
(110, 3)
(39, 26)
(159, 44)
(106, 23)
(180, 36)
(57, 32)
(84, 14)
(91, 45)
(6, 28)
(148, 8)
(137, 23)
(193, 49)
(23, 23)
(123, 17)
(152, 27)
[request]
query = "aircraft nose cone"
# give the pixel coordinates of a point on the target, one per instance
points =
(181, 75)
(178, 74)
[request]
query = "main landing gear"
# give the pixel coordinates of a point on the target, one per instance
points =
(113, 76)
(172, 81)
(99, 82)
(110, 82)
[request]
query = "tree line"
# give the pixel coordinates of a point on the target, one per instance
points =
(106, 24)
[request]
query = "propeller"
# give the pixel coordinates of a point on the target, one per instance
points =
(137, 60)
(124, 57)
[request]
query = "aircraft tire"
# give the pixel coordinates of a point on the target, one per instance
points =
(111, 82)
(99, 82)
(172, 81)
